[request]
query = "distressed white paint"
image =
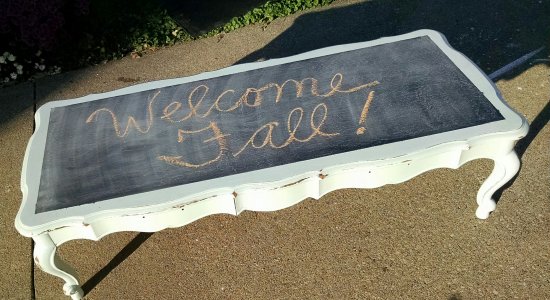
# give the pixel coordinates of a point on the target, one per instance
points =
(272, 188)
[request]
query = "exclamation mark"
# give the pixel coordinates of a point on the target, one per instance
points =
(363, 118)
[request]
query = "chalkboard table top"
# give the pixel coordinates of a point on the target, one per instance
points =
(261, 136)
(199, 136)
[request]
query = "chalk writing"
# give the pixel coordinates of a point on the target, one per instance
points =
(251, 97)
(268, 129)
(218, 137)
(131, 120)
(364, 112)
(176, 113)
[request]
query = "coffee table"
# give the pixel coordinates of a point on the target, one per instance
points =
(261, 136)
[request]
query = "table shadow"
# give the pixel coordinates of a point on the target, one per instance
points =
(132, 246)
(491, 33)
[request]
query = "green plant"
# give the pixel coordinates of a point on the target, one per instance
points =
(16, 68)
(117, 28)
(268, 12)
(30, 30)
(101, 30)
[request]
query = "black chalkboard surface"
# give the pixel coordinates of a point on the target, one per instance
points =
(174, 135)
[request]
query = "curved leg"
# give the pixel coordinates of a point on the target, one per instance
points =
(49, 262)
(505, 168)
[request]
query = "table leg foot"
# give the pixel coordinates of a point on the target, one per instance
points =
(74, 291)
(49, 262)
(506, 167)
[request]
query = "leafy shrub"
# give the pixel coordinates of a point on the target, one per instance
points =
(47, 35)
(116, 28)
(270, 11)
(29, 30)
(13, 68)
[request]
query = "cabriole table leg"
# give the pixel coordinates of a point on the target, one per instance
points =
(506, 167)
(49, 262)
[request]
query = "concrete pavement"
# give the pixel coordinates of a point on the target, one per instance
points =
(16, 127)
(419, 239)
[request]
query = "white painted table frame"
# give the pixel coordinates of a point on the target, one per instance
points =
(272, 188)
